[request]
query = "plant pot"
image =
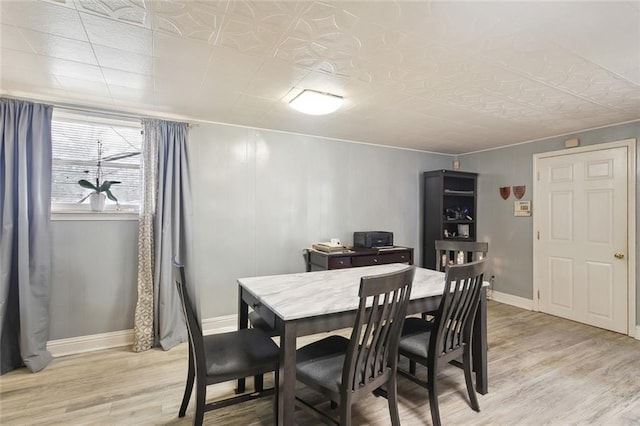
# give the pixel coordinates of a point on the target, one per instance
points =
(97, 201)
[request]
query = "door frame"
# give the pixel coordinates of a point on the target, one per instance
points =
(630, 144)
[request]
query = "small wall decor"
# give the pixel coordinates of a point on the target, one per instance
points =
(522, 208)
(518, 191)
(505, 191)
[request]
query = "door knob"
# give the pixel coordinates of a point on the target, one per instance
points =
(619, 255)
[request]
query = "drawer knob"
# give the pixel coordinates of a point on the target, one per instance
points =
(375, 260)
(342, 262)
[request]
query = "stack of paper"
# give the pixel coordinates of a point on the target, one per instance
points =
(328, 247)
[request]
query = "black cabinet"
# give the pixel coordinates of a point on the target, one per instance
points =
(449, 211)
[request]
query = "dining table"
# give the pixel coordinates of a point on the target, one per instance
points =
(302, 304)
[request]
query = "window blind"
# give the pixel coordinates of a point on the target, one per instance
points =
(75, 156)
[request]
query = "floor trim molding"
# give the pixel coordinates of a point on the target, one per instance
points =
(512, 300)
(93, 342)
(221, 324)
(115, 339)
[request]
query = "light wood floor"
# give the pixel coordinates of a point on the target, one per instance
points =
(542, 370)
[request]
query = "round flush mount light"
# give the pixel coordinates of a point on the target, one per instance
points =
(316, 103)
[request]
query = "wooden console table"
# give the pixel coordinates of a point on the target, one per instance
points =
(354, 257)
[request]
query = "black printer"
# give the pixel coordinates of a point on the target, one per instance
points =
(372, 239)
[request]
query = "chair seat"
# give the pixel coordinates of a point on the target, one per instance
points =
(415, 337)
(239, 353)
(321, 362)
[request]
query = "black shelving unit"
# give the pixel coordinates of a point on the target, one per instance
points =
(450, 205)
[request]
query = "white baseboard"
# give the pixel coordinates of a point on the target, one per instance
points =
(115, 339)
(527, 304)
(93, 342)
(512, 300)
(220, 324)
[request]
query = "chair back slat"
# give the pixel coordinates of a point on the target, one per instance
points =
(447, 250)
(194, 329)
(454, 321)
(372, 350)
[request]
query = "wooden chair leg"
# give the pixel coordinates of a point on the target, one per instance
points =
(433, 395)
(466, 364)
(412, 367)
(241, 385)
(392, 398)
(191, 374)
(345, 412)
(276, 395)
(258, 382)
(201, 395)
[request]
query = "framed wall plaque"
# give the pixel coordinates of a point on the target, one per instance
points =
(522, 208)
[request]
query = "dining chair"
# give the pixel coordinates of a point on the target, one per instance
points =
(347, 370)
(223, 357)
(448, 336)
(447, 252)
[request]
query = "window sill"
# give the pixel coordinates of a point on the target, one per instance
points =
(81, 212)
(93, 216)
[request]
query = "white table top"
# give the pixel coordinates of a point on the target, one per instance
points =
(308, 294)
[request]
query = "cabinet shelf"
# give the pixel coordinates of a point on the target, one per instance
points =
(448, 193)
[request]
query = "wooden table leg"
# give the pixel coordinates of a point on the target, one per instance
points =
(243, 322)
(287, 385)
(480, 345)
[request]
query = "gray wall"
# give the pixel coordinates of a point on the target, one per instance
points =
(511, 238)
(94, 275)
(262, 196)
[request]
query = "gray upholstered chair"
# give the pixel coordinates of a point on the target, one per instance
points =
(448, 336)
(347, 370)
(223, 357)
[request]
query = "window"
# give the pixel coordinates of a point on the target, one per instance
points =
(75, 154)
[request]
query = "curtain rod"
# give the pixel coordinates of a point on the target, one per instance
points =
(106, 113)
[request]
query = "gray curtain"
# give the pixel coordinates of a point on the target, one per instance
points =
(25, 235)
(170, 236)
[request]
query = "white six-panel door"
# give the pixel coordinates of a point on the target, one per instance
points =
(581, 240)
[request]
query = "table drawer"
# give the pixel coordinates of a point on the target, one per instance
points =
(381, 259)
(397, 258)
(255, 305)
(369, 260)
(340, 262)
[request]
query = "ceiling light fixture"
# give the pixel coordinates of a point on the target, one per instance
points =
(316, 103)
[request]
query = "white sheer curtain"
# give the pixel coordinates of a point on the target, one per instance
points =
(25, 234)
(164, 232)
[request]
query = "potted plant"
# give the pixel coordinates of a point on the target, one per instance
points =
(97, 197)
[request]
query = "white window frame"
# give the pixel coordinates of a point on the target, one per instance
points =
(75, 211)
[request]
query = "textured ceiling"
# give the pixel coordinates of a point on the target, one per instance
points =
(447, 77)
